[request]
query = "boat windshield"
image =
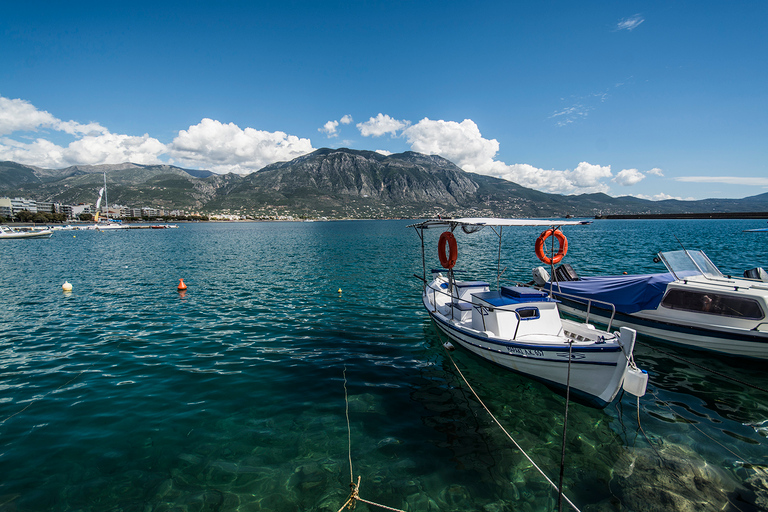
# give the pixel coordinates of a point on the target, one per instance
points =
(686, 263)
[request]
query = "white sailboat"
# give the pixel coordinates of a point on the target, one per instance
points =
(104, 224)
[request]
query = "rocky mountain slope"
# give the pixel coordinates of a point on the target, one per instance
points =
(334, 183)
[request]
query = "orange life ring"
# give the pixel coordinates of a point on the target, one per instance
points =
(449, 260)
(561, 240)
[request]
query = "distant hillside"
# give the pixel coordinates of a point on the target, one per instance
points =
(335, 183)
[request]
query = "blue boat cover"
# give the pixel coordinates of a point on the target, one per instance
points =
(629, 294)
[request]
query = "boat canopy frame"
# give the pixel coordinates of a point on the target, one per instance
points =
(471, 225)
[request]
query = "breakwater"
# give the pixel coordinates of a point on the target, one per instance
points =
(708, 215)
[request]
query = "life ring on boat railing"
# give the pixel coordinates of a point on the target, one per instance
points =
(447, 260)
(562, 250)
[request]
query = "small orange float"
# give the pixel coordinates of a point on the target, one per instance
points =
(182, 286)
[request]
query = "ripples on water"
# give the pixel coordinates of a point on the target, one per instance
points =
(127, 395)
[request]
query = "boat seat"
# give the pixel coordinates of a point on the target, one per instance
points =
(462, 306)
(461, 311)
(523, 293)
(465, 289)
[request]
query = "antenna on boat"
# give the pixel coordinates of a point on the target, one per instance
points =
(681, 244)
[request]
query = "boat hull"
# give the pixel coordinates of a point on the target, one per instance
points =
(26, 234)
(733, 342)
(594, 375)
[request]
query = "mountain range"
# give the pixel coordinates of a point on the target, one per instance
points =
(335, 183)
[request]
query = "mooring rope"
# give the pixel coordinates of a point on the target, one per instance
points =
(727, 377)
(554, 486)
(565, 426)
(689, 422)
(354, 495)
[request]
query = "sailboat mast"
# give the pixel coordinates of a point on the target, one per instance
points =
(106, 199)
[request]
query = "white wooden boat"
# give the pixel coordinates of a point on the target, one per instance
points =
(8, 233)
(520, 328)
(692, 305)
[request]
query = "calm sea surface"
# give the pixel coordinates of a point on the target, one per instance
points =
(126, 394)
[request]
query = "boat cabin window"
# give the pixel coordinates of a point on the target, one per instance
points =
(713, 304)
(528, 313)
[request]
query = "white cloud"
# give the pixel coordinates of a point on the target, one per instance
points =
(630, 23)
(380, 125)
(729, 180)
(570, 114)
(113, 148)
(628, 177)
(460, 143)
(93, 145)
(662, 197)
(584, 179)
(209, 144)
(228, 148)
(656, 172)
(20, 115)
(383, 152)
(330, 128)
(463, 144)
(108, 148)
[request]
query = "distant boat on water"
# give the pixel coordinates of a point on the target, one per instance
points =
(756, 230)
(105, 224)
(7, 233)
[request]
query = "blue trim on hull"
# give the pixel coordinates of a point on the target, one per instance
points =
(543, 348)
(575, 394)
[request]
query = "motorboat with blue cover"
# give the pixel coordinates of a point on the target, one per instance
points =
(520, 328)
(692, 304)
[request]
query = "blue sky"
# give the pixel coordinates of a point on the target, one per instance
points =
(652, 99)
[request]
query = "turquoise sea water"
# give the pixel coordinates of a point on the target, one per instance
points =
(128, 395)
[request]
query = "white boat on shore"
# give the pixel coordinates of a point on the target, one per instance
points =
(520, 328)
(8, 233)
(692, 305)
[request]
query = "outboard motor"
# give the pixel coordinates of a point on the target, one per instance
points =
(757, 273)
(540, 276)
(565, 272)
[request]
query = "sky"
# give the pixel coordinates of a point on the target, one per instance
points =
(656, 100)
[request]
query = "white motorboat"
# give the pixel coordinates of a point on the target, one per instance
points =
(692, 305)
(520, 328)
(7, 233)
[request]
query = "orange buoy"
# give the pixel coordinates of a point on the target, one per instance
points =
(182, 286)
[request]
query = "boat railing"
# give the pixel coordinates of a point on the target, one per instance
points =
(589, 303)
(478, 307)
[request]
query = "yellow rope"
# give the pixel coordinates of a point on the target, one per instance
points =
(354, 495)
(349, 430)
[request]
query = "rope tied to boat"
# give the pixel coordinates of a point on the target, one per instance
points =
(354, 495)
(509, 436)
(719, 374)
